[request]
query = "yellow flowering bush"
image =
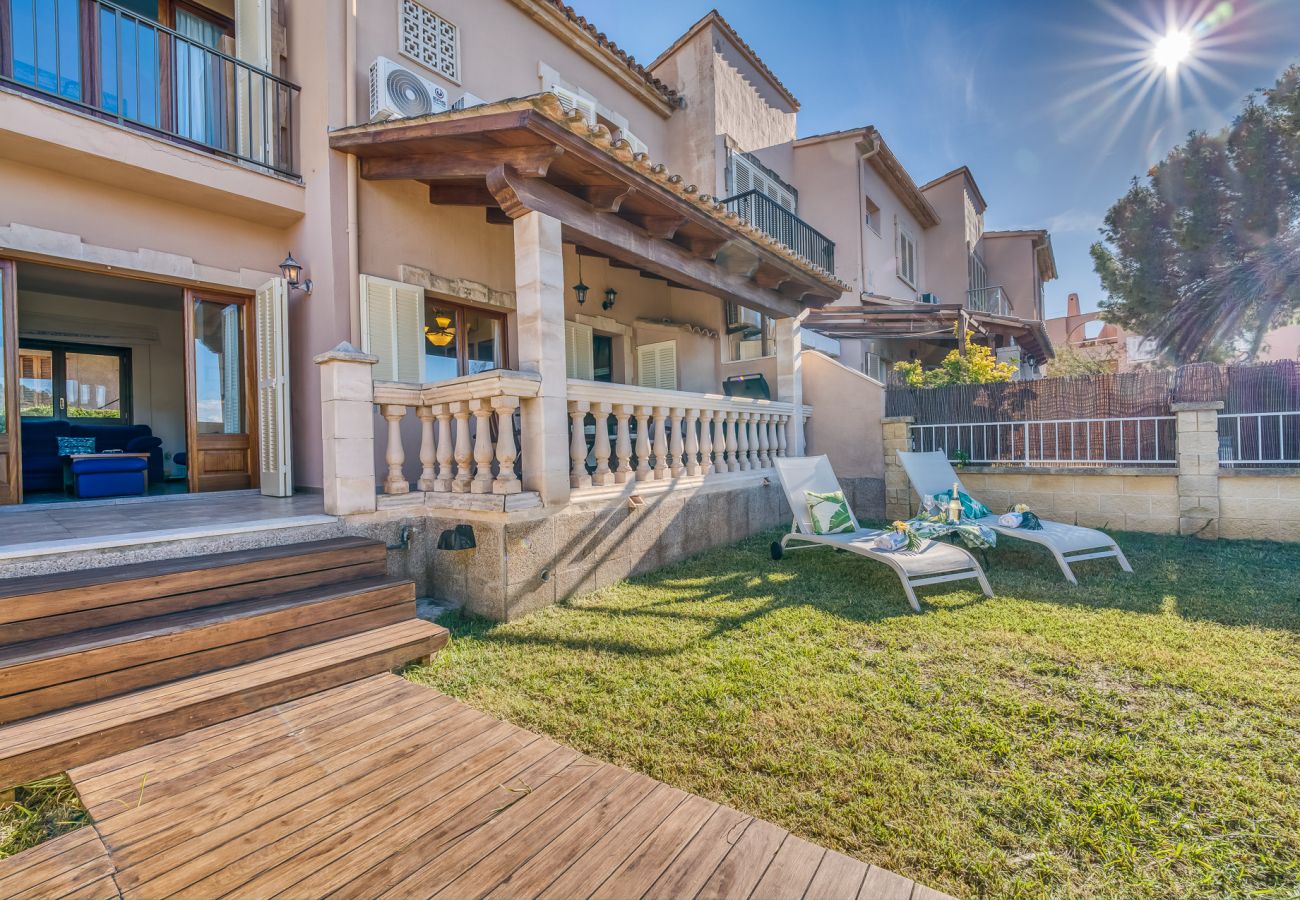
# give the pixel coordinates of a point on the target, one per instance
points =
(978, 365)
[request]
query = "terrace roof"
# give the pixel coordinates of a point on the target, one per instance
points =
(926, 320)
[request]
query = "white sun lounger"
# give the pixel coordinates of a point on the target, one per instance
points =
(935, 562)
(931, 473)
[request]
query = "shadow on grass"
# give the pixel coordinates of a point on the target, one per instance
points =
(1238, 583)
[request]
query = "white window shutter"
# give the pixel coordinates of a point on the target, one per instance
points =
(656, 365)
(579, 356)
(253, 125)
(571, 101)
(271, 316)
(392, 328)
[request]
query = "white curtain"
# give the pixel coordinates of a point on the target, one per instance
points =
(200, 85)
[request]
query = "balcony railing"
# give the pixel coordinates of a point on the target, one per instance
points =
(114, 64)
(992, 300)
(777, 222)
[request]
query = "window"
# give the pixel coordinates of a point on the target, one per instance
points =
(656, 365)
(977, 272)
(745, 173)
(906, 256)
(876, 366)
(430, 40)
(871, 214)
(460, 340)
(750, 335)
(74, 381)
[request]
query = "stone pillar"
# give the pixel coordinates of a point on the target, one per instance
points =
(1197, 425)
(789, 379)
(898, 490)
(348, 429)
(539, 305)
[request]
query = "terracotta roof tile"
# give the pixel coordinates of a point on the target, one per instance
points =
(603, 41)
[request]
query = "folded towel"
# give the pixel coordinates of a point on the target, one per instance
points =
(890, 540)
(1010, 520)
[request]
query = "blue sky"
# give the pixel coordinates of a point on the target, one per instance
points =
(1031, 94)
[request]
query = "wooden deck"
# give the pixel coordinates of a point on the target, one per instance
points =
(384, 788)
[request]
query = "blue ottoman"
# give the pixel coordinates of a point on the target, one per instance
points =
(108, 476)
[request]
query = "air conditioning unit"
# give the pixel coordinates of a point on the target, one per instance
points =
(398, 93)
(930, 298)
(467, 100)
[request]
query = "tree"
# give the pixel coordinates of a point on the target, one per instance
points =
(1201, 254)
(977, 365)
(1071, 360)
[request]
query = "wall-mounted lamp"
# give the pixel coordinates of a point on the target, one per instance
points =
(610, 296)
(291, 269)
(580, 289)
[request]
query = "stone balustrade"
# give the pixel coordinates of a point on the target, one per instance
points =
(644, 434)
(467, 442)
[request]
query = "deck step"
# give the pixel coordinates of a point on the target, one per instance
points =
(64, 670)
(38, 606)
(57, 741)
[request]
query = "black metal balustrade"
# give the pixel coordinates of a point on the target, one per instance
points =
(108, 61)
(774, 220)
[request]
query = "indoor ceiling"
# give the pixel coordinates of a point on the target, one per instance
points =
(41, 279)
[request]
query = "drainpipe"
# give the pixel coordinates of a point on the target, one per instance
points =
(862, 236)
(354, 236)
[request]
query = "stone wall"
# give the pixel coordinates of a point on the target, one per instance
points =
(1096, 499)
(523, 562)
(1249, 498)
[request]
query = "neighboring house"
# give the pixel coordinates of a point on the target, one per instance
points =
(1125, 351)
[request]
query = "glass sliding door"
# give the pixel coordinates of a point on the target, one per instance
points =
(219, 417)
(10, 421)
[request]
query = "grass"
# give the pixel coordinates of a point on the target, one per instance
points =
(40, 810)
(1136, 736)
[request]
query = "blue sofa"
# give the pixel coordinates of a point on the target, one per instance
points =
(111, 476)
(43, 467)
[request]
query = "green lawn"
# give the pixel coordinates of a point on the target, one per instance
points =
(1136, 736)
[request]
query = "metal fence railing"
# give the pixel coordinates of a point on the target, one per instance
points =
(1259, 439)
(774, 220)
(1131, 441)
(991, 300)
(114, 64)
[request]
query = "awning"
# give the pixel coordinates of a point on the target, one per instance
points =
(927, 321)
(522, 155)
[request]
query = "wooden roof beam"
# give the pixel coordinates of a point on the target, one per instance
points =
(533, 160)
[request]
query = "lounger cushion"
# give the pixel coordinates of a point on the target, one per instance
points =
(970, 507)
(830, 512)
(1066, 538)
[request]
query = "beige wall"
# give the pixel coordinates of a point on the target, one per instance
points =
(1124, 501)
(847, 408)
(1012, 263)
(1259, 506)
(946, 244)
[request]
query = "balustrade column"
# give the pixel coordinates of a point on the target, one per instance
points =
(752, 429)
(730, 441)
(643, 470)
(693, 463)
(394, 453)
(782, 432)
(764, 457)
(483, 451)
(742, 442)
(602, 475)
(623, 443)
(719, 441)
(662, 469)
(706, 441)
(773, 448)
(427, 456)
(676, 446)
(506, 482)
(443, 480)
(578, 476)
(460, 482)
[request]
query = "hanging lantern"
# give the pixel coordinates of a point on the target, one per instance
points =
(580, 289)
(442, 332)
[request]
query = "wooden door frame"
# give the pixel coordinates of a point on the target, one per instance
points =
(13, 415)
(248, 323)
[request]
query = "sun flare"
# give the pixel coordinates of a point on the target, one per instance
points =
(1173, 50)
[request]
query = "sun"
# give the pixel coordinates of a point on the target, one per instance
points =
(1173, 50)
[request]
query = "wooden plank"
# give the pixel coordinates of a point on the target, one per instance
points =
(29, 666)
(360, 856)
(111, 684)
(103, 889)
(839, 877)
(791, 871)
(486, 874)
(81, 620)
(171, 862)
(39, 596)
(588, 871)
(339, 839)
(882, 884)
(58, 741)
(649, 860)
(130, 764)
(556, 856)
(69, 862)
(921, 892)
(696, 863)
(741, 869)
